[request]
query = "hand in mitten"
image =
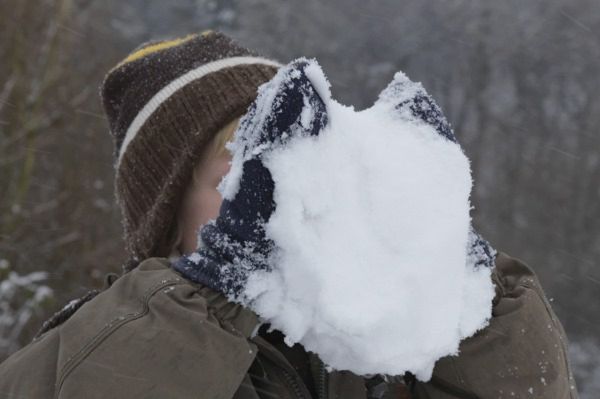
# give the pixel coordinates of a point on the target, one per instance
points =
(235, 244)
(409, 100)
(372, 216)
(237, 236)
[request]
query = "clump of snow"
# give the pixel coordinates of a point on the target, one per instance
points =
(244, 146)
(319, 81)
(21, 297)
(371, 226)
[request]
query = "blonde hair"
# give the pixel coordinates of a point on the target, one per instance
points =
(215, 148)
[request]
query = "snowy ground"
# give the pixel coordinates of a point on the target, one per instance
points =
(584, 355)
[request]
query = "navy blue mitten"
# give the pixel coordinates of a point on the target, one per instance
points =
(408, 100)
(235, 244)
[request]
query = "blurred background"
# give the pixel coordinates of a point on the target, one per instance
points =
(518, 80)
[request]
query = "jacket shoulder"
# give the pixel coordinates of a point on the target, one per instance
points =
(155, 334)
(151, 334)
(31, 371)
(522, 350)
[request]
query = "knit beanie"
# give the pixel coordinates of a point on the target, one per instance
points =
(164, 103)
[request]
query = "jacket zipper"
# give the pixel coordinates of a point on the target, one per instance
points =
(321, 381)
(319, 376)
(292, 379)
(293, 383)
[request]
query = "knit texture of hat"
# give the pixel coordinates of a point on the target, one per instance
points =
(164, 104)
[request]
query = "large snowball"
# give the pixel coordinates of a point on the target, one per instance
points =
(372, 226)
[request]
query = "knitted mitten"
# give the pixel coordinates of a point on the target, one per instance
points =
(408, 100)
(235, 244)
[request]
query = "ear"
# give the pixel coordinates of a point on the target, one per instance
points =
(409, 101)
(292, 103)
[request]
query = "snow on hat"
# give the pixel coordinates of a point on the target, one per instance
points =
(165, 102)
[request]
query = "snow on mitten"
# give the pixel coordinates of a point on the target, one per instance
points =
(348, 230)
(234, 245)
(408, 101)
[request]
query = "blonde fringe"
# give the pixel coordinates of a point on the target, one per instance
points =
(216, 148)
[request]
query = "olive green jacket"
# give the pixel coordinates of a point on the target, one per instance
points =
(153, 334)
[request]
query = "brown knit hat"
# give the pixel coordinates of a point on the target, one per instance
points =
(164, 103)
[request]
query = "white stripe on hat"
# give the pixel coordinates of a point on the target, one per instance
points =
(177, 84)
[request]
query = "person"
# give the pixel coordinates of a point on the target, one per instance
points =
(167, 328)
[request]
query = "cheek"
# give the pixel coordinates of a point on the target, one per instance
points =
(204, 206)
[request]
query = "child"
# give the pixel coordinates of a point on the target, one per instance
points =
(160, 332)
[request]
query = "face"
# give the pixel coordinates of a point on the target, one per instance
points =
(202, 200)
